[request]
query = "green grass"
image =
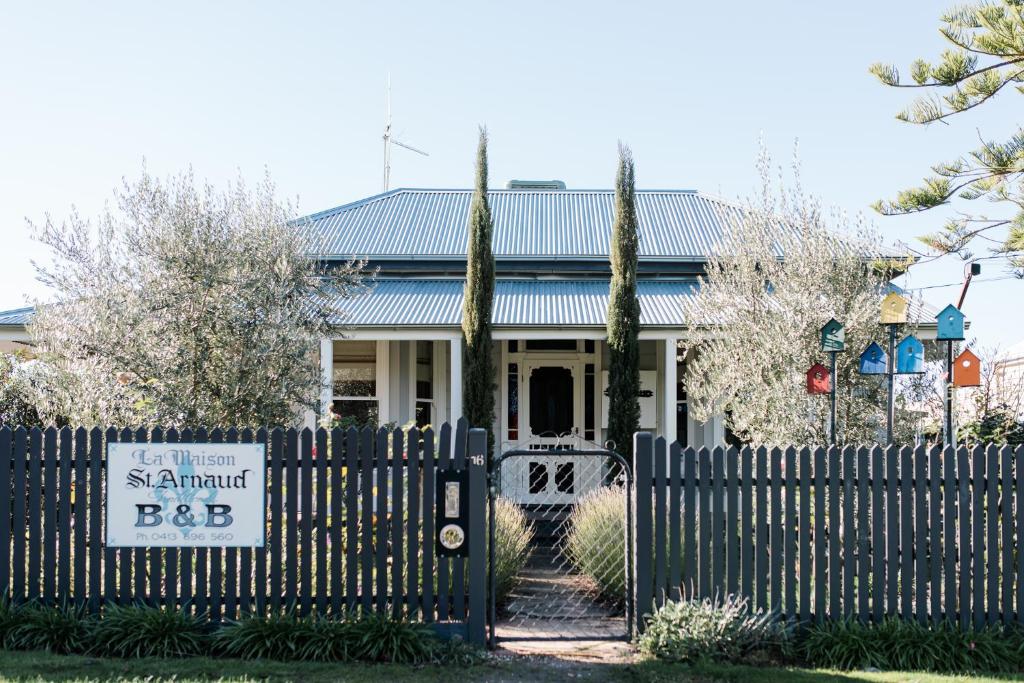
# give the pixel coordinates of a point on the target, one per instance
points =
(24, 667)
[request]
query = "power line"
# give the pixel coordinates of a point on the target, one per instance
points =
(960, 284)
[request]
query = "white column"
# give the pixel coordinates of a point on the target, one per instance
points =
(455, 388)
(383, 382)
(326, 376)
(668, 420)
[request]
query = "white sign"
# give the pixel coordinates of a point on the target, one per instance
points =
(186, 494)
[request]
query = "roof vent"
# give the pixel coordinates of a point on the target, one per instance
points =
(535, 185)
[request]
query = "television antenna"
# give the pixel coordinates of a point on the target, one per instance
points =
(389, 139)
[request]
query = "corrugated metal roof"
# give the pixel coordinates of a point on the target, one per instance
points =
(527, 223)
(17, 317)
(517, 303)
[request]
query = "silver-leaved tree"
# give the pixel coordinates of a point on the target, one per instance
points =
(182, 305)
(779, 275)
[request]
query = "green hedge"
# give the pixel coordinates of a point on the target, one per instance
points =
(142, 631)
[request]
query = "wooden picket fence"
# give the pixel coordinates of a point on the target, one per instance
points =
(350, 527)
(825, 533)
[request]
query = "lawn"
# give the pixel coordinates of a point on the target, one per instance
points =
(25, 667)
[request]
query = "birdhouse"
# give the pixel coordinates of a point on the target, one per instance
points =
(910, 356)
(819, 380)
(894, 309)
(967, 370)
(951, 324)
(873, 361)
(833, 336)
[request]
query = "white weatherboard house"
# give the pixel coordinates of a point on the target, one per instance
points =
(397, 356)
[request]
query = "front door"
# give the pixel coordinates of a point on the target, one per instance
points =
(552, 404)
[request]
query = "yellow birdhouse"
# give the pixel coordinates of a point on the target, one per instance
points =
(894, 309)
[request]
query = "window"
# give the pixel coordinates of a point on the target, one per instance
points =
(513, 401)
(424, 383)
(550, 344)
(682, 412)
(355, 401)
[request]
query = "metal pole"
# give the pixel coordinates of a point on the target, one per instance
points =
(832, 397)
(891, 373)
(492, 493)
(950, 433)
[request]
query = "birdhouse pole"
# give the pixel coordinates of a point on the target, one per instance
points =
(950, 433)
(891, 377)
(832, 400)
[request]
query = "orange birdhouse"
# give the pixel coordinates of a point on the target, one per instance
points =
(967, 370)
(819, 380)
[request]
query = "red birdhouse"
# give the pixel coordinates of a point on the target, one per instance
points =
(967, 370)
(819, 380)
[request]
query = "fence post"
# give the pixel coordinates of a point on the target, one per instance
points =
(643, 461)
(476, 621)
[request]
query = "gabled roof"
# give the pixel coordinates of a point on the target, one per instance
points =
(546, 224)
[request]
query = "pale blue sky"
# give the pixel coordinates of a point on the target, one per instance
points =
(87, 90)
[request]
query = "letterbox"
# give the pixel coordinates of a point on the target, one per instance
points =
(451, 519)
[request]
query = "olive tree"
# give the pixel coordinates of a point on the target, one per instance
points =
(183, 305)
(781, 272)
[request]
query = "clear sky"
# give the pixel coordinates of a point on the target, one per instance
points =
(89, 90)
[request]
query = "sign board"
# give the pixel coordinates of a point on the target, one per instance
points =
(451, 521)
(186, 494)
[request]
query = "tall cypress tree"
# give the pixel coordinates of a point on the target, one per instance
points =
(477, 360)
(624, 314)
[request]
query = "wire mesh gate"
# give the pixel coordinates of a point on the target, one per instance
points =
(578, 578)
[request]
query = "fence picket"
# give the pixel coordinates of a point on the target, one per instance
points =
(849, 532)
(95, 519)
(935, 532)
(412, 531)
(704, 524)
(380, 524)
(906, 534)
(6, 488)
(863, 533)
(746, 517)
(761, 538)
(835, 568)
(443, 564)
(277, 448)
(18, 526)
(892, 531)
(978, 473)
(950, 494)
(338, 494)
(213, 557)
(731, 517)
(291, 513)
(803, 536)
(397, 517)
(717, 522)
(64, 560)
(878, 503)
(156, 555)
(992, 534)
(1006, 573)
(690, 522)
(964, 527)
(323, 579)
(1018, 507)
(789, 521)
(674, 519)
(428, 526)
(49, 520)
(660, 517)
(185, 556)
(920, 529)
(305, 514)
(821, 572)
(352, 476)
(366, 443)
(139, 554)
(231, 592)
(458, 564)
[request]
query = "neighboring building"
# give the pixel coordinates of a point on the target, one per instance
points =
(1008, 376)
(12, 329)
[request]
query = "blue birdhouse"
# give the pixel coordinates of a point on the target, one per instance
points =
(873, 361)
(910, 356)
(833, 336)
(951, 324)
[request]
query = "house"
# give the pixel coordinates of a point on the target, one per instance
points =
(396, 357)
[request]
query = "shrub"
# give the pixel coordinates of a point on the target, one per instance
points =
(62, 629)
(383, 639)
(8, 618)
(910, 645)
(141, 631)
(596, 541)
(728, 630)
(273, 637)
(513, 533)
